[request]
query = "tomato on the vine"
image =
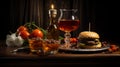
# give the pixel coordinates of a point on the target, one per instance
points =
(22, 28)
(24, 34)
(36, 33)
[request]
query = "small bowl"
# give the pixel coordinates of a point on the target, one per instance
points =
(44, 46)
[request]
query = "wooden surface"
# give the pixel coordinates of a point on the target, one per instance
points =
(18, 59)
(7, 52)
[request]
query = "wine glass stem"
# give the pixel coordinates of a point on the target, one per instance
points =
(67, 39)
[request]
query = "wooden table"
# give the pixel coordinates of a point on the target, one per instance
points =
(20, 59)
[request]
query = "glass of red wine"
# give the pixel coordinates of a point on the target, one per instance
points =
(67, 22)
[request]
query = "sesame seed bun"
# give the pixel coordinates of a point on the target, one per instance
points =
(89, 34)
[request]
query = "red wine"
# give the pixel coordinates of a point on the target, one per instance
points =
(68, 25)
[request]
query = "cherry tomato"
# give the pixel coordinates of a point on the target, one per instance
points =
(21, 28)
(24, 34)
(36, 33)
(113, 47)
(73, 40)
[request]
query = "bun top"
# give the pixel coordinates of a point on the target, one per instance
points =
(89, 34)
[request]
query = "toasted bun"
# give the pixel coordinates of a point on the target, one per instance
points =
(88, 34)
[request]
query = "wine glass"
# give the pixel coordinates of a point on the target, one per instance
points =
(67, 22)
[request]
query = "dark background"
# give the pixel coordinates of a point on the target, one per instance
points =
(17, 12)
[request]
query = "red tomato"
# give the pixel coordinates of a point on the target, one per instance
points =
(113, 47)
(73, 40)
(37, 33)
(24, 34)
(21, 28)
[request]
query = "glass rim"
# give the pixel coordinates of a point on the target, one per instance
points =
(69, 9)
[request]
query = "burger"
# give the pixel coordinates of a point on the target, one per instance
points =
(89, 40)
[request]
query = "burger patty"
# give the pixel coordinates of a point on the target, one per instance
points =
(90, 41)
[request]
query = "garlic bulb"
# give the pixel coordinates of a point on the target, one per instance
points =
(19, 41)
(10, 40)
(13, 40)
